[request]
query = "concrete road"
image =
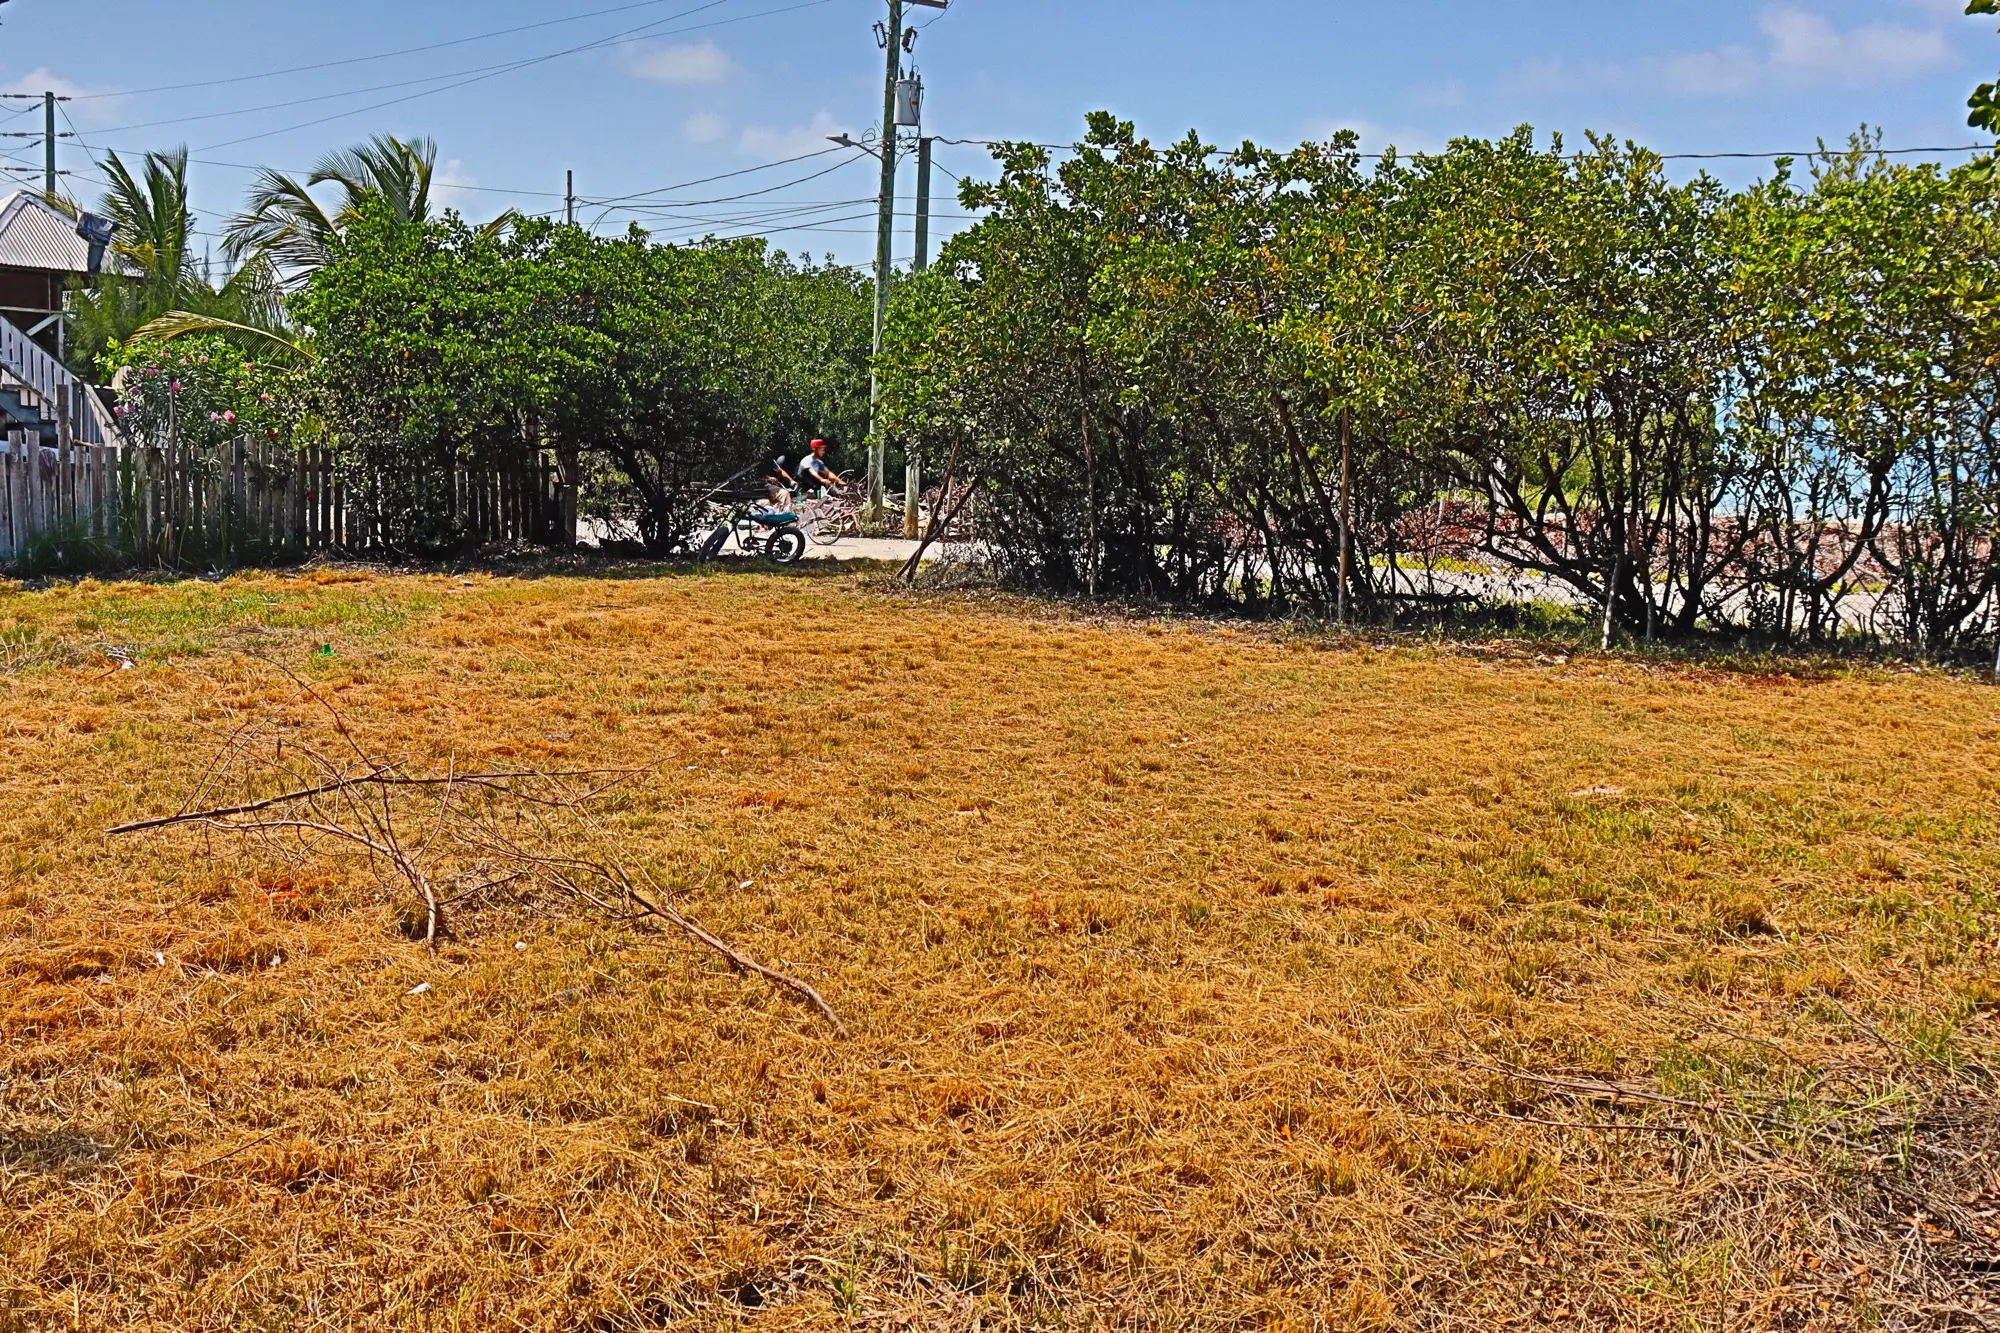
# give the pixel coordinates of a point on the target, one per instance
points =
(870, 548)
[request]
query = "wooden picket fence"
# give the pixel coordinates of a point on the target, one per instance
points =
(244, 502)
(48, 494)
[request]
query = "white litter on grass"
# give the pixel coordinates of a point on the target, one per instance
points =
(277, 960)
(1597, 791)
(421, 988)
(520, 946)
(747, 884)
(159, 960)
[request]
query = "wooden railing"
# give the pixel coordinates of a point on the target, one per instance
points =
(56, 393)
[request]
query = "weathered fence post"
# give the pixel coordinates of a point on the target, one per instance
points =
(37, 501)
(10, 491)
(65, 511)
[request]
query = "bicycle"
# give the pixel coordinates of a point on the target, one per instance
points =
(775, 534)
(832, 517)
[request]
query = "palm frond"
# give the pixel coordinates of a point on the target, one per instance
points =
(180, 323)
(501, 225)
(283, 223)
(398, 171)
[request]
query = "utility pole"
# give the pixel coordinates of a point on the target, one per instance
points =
(924, 203)
(569, 197)
(48, 136)
(913, 473)
(885, 255)
(885, 246)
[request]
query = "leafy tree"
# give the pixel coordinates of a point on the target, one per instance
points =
(1270, 379)
(650, 372)
(721, 352)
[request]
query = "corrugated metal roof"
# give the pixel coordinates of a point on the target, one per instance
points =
(34, 235)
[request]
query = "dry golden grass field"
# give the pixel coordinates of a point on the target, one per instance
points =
(1193, 977)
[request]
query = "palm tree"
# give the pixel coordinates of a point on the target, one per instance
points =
(154, 268)
(290, 229)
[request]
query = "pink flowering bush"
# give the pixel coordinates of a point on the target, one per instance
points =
(202, 391)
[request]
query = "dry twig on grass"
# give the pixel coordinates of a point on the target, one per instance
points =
(368, 802)
(570, 875)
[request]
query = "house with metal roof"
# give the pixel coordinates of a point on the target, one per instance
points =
(42, 253)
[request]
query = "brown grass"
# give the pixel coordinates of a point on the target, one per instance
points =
(1177, 963)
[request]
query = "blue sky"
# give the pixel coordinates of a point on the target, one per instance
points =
(743, 83)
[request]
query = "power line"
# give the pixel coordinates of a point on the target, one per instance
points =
(429, 78)
(827, 225)
(476, 189)
(1824, 151)
(730, 199)
(496, 72)
(744, 216)
(297, 101)
(384, 55)
(710, 180)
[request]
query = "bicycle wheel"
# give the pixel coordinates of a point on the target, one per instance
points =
(713, 546)
(787, 546)
(833, 525)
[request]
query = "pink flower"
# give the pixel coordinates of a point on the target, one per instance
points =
(175, 387)
(215, 416)
(229, 417)
(264, 398)
(151, 371)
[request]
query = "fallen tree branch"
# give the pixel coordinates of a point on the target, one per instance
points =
(384, 776)
(1606, 1127)
(939, 524)
(562, 871)
(370, 802)
(742, 961)
(394, 855)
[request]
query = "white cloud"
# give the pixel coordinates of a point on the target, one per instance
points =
(1802, 49)
(1807, 46)
(776, 143)
(1732, 69)
(91, 106)
(683, 65)
(706, 127)
(451, 185)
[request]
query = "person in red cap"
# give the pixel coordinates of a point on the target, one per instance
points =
(813, 469)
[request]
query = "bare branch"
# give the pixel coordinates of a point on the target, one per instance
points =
(385, 776)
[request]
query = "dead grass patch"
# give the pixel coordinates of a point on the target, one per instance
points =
(1177, 967)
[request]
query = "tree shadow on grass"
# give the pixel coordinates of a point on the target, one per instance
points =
(669, 568)
(59, 1152)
